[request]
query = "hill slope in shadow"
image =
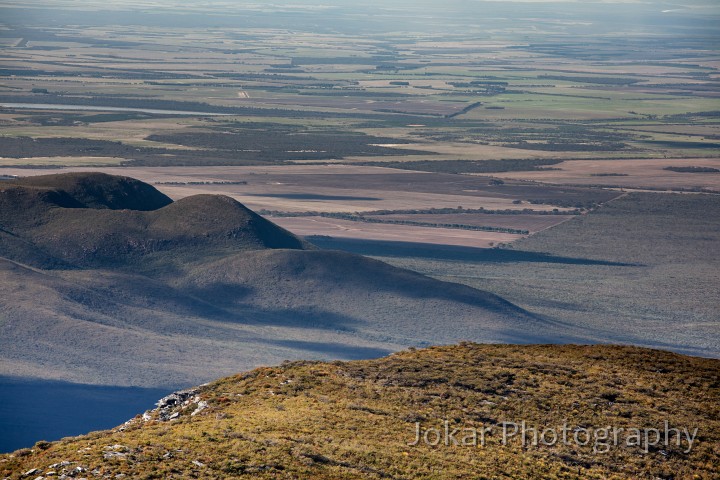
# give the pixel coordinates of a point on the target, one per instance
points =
(105, 280)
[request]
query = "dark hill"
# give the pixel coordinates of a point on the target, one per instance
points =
(95, 220)
(358, 420)
(172, 293)
(215, 216)
(96, 190)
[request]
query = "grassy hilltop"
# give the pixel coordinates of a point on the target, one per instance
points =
(356, 419)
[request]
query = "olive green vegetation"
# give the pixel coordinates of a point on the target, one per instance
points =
(358, 420)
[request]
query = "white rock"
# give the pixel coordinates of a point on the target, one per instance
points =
(117, 447)
(117, 455)
(202, 405)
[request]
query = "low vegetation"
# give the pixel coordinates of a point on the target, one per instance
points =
(692, 169)
(469, 166)
(359, 420)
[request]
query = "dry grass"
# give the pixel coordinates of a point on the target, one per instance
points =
(356, 420)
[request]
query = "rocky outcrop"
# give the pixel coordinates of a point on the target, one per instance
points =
(173, 406)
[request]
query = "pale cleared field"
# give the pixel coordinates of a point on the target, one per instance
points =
(332, 227)
(647, 173)
(270, 197)
(130, 132)
(532, 223)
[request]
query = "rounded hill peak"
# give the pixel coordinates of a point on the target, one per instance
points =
(97, 190)
(220, 216)
(94, 219)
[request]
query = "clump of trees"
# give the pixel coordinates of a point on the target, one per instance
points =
(690, 169)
